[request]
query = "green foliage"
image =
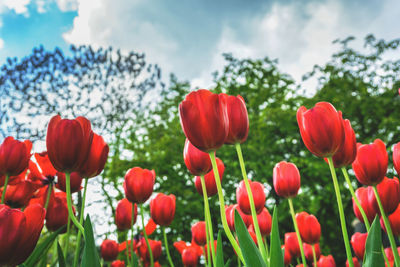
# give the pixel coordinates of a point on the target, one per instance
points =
(90, 256)
(373, 251)
(276, 255)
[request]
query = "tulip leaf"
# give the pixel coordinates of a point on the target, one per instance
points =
(135, 260)
(276, 256)
(228, 263)
(220, 251)
(61, 260)
(251, 255)
(90, 256)
(373, 252)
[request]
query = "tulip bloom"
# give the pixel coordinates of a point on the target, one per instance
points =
(123, 214)
(369, 209)
(264, 222)
(155, 249)
(238, 119)
(321, 129)
(396, 157)
(394, 220)
(242, 197)
(96, 158)
(14, 156)
(138, 184)
(348, 149)
(355, 262)
(389, 193)
(190, 257)
(57, 212)
(286, 179)
(75, 182)
(197, 161)
(230, 216)
(162, 209)
(18, 195)
(326, 261)
(68, 142)
(370, 165)
(358, 241)
(109, 250)
(209, 180)
(118, 263)
(308, 253)
(287, 257)
(204, 119)
(199, 233)
(309, 227)
(292, 244)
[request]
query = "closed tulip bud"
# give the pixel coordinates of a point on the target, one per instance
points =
(358, 241)
(370, 165)
(57, 212)
(162, 209)
(209, 180)
(362, 194)
(118, 263)
(155, 249)
(321, 129)
(389, 193)
(14, 156)
(96, 158)
(292, 244)
(204, 119)
(287, 257)
(264, 222)
(326, 261)
(348, 149)
(355, 262)
(18, 195)
(109, 250)
(230, 216)
(308, 253)
(197, 161)
(396, 157)
(199, 233)
(138, 184)
(394, 220)
(68, 142)
(242, 197)
(190, 257)
(286, 179)
(309, 227)
(238, 119)
(75, 182)
(123, 214)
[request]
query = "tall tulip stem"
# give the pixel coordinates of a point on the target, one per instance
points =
(66, 238)
(388, 228)
(209, 228)
(251, 200)
(131, 244)
(69, 204)
(314, 254)
(145, 236)
(296, 228)
(3, 195)
(222, 207)
(49, 189)
(341, 213)
(82, 215)
(166, 247)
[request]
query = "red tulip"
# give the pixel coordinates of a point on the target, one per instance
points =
(321, 129)
(123, 214)
(238, 119)
(207, 249)
(138, 184)
(109, 250)
(396, 157)
(308, 253)
(96, 158)
(394, 220)
(358, 241)
(197, 161)
(75, 182)
(389, 193)
(355, 262)
(68, 142)
(287, 257)
(286, 179)
(326, 261)
(14, 156)
(118, 263)
(44, 162)
(371, 163)
(180, 246)
(199, 233)
(348, 149)
(162, 209)
(389, 254)
(369, 209)
(209, 180)
(18, 195)
(155, 249)
(204, 119)
(252, 234)
(292, 244)
(264, 220)
(230, 216)
(190, 257)
(57, 212)
(242, 197)
(309, 227)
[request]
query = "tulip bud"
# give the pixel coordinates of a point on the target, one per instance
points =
(389, 193)
(190, 257)
(370, 165)
(369, 209)
(199, 233)
(348, 149)
(118, 263)
(286, 179)
(204, 119)
(321, 129)
(138, 184)
(264, 222)
(355, 262)
(75, 182)
(287, 257)
(197, 161)
(238, 119)
(209, 180)
(57, 212)
(123, 214)
(309, 227)
(326, 261)
(308, 253)
(155, 249)
(162, 209)
(358, 241)
(292, 244)
(109, 250)
(14, 156)
(242, 197)
(394, 220)
(230, 216)
(96, 158)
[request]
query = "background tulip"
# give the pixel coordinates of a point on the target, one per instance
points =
(75, 182)
(57, 212)
(369, 208)
(358, 241)
(14, 156)
(118, 263)
(264, 222)
(355, 262)
(309, 227)
(238, 119)
(199, 233)
(389, 193)
(348, 149)
(308, 253)
(162, 209)
(96, 159)
(242, 197)
(123, 214)
(18, 195)
(326, 261)
(286, 179)
(209, 180)
(292, 244)
(394, 220)
(396, 157)
(287, 257)
(138, 184)
(155, 249)
(109, 250)
(190, 257)
(230, 216)
(197, 161)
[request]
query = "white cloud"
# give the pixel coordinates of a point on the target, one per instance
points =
(68, 5)
(18, 6)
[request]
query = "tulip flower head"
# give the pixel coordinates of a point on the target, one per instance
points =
(109, 250)
(197, 161)
(362, 194)
(14, 156)
(326, 261)
(287, 257)
(396, 157)
(286, 179)
(389, 193)
(138, 184)
(230, 216)
(264, 222)
(348, 149)
(123, 214)
(57, 212)
(75, 182)
(292, 244)
(156, 250)
(308, 253)
(162, 209)
(356, 263)
(358, 241)
(118, 263)
(96, 159)
(209, 180)
(394, 220)
(190, 257)
(199, 233)
(309, 227)
(242, 197)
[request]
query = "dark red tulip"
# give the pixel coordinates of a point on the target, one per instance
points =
(138, 184)
(370, 165)
(162, 209)
(264, 222)
(362, 196)
(118, 263)
(68, 142)
(75, 182)
(355, 262)
(209, 180)
(197, 161)
(190, 257)
(348, 149)
(109, 250)
(394, 220)
(358, 241)
(396, 157)
(199, 233)
(204, 119)
(14, 156)
(309, 227)
(57, 212)
(321, 129)
(287, 257)
(155, 249)
(326, 261)
(238, 119)
(389, 193)
(242, 197)
(96, 158)
(18, 195)
(308, 253)
(286, 179)
(292, 244)
(123, 214)
(230, 216)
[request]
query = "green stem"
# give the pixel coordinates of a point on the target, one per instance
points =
(66, 245)
(341, 213)
(49, 189)
(238, 262)
(3, 195)
(296, 228)
(314, 255)
(388, 228)
(251, 200)
(82, 215)
(128, 259)
(131, 244)
(69, 204)
(209, 228)
(145, 236)
(166, 248)
(222, 208)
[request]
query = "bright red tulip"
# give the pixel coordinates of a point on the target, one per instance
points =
(308, 253)
(321, 129)
(389, 193)
(309, 227)
(197, 161)
(14, 156)
(287, 257)
(355, 262)
(230, 216)
(369, 209)
(18, 195)
(190, 257)
(396, 157)
(209, 180)
(57, 212)
(180, 246)
(123, 214)
(199, 233)
(75, 182)
(326, 261)
(394, 220)
(68, 142)
(252, 234)
(238, 119)
(242, 197)
(162, 209)
(118, 263)
(348, 149)
(292, 244)
(204, 119)
(286, 179)
(264, 222)
(389, 254)
(96, 158)
(370, 165)
(155, 249)
(109, 250)
(358, 241)
(138, 184)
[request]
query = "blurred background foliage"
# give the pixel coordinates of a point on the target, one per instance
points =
(138, 115)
